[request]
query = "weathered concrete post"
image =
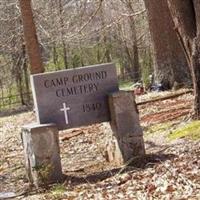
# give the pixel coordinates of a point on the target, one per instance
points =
(126, 138)
(42, 153)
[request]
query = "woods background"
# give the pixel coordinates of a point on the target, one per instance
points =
(76, 33)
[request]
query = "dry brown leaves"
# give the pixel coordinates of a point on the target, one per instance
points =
(171, 170)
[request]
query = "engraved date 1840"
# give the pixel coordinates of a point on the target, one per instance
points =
(91, 107)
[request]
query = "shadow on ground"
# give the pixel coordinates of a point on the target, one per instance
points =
(136, 164)
(20, 110)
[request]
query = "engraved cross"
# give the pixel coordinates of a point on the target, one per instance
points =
(65, 109)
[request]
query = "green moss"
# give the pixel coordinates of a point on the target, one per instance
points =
(158, 128)
(191, 131)
(58, 191)
(125, 85)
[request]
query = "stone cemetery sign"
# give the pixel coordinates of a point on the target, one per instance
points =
(75, 97)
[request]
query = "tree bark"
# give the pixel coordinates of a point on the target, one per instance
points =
(30, 36)
(26, 74)
(64, 48)
(135, 58)
(186, 17)
(170, 61)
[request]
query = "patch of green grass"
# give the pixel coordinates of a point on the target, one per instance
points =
(58, 191)
(158, 128)
(125, 85)
(191, 131)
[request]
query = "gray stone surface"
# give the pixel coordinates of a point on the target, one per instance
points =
(42, 153)
(125, 141)
(124, 114)
(71, 98)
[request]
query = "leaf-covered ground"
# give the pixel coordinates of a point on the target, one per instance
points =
(170, 170)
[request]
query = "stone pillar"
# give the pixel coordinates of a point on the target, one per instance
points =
(126, 138)
(42, 154)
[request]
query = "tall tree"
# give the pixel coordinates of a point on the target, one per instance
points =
(132, 52)
(64, 48)
(186, 16)
(170, 61)
(30, 36)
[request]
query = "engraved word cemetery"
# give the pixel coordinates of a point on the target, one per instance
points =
(78, 97)
(72, 98)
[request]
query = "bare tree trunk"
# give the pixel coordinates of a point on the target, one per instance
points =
(128, 58)
(65, 59)
(170, 62)
(55, 54)
(17, 69)
(65, 54)
(106, 56)
(25, 69)
(20, 88)
(81, 55)
(130, 66)
(30, 36)
(107, 48)
(135, 57)
(186, 16)
(98, 50)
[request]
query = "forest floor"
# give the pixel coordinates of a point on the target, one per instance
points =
(170, 170)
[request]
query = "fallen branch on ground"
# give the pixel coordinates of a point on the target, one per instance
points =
(170, 96)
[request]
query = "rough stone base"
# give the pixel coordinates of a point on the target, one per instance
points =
(42, 154)
(125, 141)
